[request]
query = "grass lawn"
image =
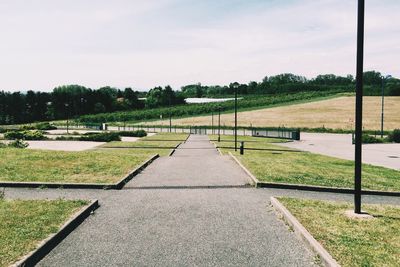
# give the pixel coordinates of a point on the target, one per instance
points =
(351, 242)
(24, 223)
(313, 169)
(249, 141)
(162, 143)
(92, 166)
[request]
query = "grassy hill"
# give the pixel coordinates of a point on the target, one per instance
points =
(182, 111)
(336, 113)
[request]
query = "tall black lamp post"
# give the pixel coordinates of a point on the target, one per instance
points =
(383, 100)
(219, 124)
(67, 111)
(359, 105)
(236, 86)
(212, 122)
(169, 109)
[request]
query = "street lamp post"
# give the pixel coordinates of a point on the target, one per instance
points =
(383, 100)
(67, 107)
(212, 122)
(359, 105)
(235, 86)
(219, 124)
(169, 109)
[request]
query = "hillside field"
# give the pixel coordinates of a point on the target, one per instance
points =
(336, 113)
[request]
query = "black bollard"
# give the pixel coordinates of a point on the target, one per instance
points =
(241, 148)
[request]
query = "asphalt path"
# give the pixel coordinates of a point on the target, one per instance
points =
(191, 209)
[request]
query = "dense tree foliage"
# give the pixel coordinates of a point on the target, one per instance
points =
(64, 102)
(72, 101)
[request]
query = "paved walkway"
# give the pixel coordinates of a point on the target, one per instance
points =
(340, 146)
(195, 164)
(168, 217)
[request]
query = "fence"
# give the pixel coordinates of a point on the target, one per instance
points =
(284, 133)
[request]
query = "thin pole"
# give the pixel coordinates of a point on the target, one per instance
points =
(383, 104)
(236, 118)
(219, 124)
(67, 107)
(359, 105)
(212, 122)
(169, 108)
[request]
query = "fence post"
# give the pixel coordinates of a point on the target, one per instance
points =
(241, 148)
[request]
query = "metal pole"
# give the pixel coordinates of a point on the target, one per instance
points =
(169, 108)
(235, 117)
(67, 106)
(383, 104)
(359, 105)
(219, 124)
(212, 122)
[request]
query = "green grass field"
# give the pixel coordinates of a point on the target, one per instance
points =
(91, 166)
(24, 223)
(162, 142)
(304, 168)
(351, 242)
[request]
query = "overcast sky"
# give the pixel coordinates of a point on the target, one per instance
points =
(146, 43)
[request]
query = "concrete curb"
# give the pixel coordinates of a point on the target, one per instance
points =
(51, 242)
(116, 186)
(133, 173)
(187, 138)
(302, 232)
(313, 188)
(326, 189)
(173, 150)
(217, 148)
(254, 180)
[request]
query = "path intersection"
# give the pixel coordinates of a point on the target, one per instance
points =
(194, 208)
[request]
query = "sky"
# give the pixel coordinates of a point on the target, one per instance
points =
(147, 43)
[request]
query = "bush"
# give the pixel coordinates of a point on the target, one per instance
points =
(395, 136)
(138, 133)
(101, 137)
(67, 138)
(25, 135)
(369, 139)
(44, 126)
(18, 144)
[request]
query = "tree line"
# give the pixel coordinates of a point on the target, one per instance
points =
(72, 101)
(291, 83)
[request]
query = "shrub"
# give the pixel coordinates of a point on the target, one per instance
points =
(101, 137)
(44, 126)
(138, 133)
(67, 138)
(18, 144)
(395, 136)
(369, 139)
(25, 135)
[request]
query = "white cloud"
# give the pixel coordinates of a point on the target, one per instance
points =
(148, 43)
